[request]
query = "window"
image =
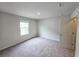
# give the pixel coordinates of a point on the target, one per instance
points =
(24, 28)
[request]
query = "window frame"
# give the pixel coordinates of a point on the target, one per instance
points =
(25, 27)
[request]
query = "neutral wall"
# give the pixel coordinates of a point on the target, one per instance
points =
(50, 28)
(10, 30)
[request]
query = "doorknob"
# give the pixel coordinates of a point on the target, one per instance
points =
(60, 34)
(72, 33)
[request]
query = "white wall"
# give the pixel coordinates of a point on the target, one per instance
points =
(50, 28)
(10, 30)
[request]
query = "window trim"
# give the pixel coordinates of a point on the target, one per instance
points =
(21, 28)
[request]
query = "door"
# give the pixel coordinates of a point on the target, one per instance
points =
(74, 28)
(68, 36)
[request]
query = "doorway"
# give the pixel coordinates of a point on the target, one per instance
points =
(68, 37)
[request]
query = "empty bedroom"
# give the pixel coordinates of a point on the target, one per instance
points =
(39, 29)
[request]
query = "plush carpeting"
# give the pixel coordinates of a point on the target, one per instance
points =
(37, 47)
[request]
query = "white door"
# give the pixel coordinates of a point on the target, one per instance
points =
(68, 36)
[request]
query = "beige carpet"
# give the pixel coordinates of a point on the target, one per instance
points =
(37, 47)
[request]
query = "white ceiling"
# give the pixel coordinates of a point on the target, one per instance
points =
(46, 9)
